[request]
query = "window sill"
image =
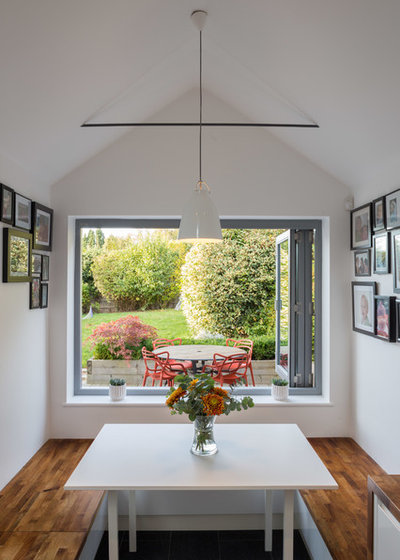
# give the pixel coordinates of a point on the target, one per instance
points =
(158, 401)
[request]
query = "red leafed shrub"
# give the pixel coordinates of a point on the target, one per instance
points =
(120, 339)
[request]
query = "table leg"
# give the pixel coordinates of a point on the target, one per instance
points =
(268, 520)
(194, 367)
(113, 525)
(132, 521)
(288, 520)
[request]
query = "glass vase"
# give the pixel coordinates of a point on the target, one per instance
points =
(203, 438)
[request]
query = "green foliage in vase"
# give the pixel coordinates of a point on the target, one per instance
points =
(279, 382)
(117, 381)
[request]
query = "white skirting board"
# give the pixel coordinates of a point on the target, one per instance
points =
(311, 536)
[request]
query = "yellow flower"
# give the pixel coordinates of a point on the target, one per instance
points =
(175, 397)
(220, 391)
(193, 384)
(213, 405)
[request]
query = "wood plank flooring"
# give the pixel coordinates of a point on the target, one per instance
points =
(341, 515)
(38, 519)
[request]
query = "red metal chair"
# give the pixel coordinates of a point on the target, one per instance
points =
(158, 367)
(244, 344)
(228, 369)
(160, 342)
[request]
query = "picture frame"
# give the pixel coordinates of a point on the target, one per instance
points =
(379, 214)
(22, 212)
(393, 209)
(363, 307)
(362, 262)
(34, 294)
(398, 320)
(385, 318)
(44, 295)
(36, 264)
(17, 251)
(361, 227)
(45, 268)
(42, 226)
(6, 205)
(382, 253)
(396, 260)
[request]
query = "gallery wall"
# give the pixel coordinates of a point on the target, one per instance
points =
(24, 354)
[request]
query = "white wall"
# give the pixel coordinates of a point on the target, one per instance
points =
(376, 373)
(24, 355)
(150, 173)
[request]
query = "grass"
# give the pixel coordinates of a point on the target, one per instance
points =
(169, 323)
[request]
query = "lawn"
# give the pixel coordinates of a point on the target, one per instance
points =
(169, 323)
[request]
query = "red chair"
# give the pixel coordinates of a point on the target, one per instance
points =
(228, 369)
(158, 367)
(160, 342)
(244, 344)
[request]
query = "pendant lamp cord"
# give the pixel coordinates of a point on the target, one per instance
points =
(201, 104)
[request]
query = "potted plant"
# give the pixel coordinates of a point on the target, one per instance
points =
(280, 389)
(117, 389)
(202, 401)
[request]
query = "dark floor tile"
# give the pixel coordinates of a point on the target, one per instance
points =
(299, 550)
(241, 535)
(194, 545)
(243, 550)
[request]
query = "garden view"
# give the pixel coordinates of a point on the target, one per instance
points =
(201, 293)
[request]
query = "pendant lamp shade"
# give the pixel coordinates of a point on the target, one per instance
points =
(200, 220)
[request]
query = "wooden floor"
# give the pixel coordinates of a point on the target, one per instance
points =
(341, 515)
(38, 519)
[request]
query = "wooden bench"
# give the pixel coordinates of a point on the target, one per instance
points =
(341, 516)
(38, 519)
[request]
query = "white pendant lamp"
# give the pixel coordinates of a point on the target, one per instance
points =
(200, 220)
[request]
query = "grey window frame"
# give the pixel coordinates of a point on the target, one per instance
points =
(226, 223)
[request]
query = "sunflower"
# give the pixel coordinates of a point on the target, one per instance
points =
(213, 405)
(175, 397)
(192, 384)
(220, 391)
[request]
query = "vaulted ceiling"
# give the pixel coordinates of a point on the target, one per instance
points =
(333, 62)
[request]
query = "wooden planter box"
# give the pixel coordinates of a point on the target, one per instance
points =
(100, 371)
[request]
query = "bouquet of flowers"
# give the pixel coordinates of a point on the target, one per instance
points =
(201, 400)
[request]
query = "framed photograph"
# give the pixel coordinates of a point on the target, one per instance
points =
(36, 264)
(361, 227)
(363, 302)
(17, 260)
(385, 317)
(382, 253)
(396, 260)
(362, 262)
(6, 205)
(379, 213)
(44, 295)
(22, 212)
(42, 220)
(45, 268)
(34, 294)
(393, 210)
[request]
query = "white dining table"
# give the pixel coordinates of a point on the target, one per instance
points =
(157, 457)
(197, 352)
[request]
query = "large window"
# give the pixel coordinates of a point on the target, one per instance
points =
(131, 267)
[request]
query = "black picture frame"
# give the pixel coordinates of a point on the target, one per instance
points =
(385, 318)
(44, 295)
(398, 320)
(7, 204)
(22, 212)
(396, 260)
(17, 251)
(379, 213)
(363, 307)
(393, 209)
(35, 293)
(362, 262)
(361, 227)
(36, 264)
(45, 268)
(381, 258)
(42, 227)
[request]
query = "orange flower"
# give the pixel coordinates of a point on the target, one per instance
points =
(213, 405)
(220, 391)
(193, 383)
(175, 397)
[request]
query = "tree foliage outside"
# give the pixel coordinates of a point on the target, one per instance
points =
(141, 272)
(92, 245)
(229, 288)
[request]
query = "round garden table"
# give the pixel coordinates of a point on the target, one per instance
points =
(197, 352)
